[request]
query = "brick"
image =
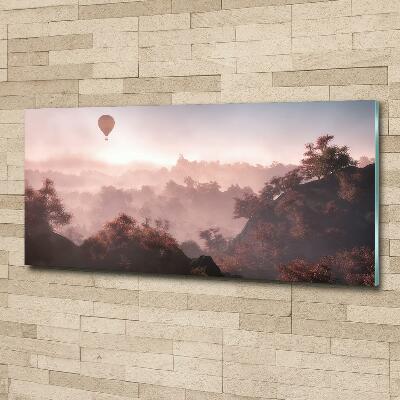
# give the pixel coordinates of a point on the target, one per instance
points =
(150, 392)
(42, 73)
(187, 68)
(319, 311)
(196, 98)
(248, 355)
(115, 70)
(100, 86)
(233, 337)
(125, 9)
(263, 15)
(50, 43)
(41, 347)
(263, 32)
(238, 82)
(164, 22)
(346, 330)
(165, 53)
(163, 300)
(14, 357)
(11, 117)
(74, 292)
(295, 392)
(389, 144)
(39, 87)
(76, 381)
(373, 315)
(145, 360)
(243, 49)
(98, 55)
(265, 323)
(234, 304)
(325, 9)
(331, 362)
(77, 27)
(57, 100)
(119, 311)
(124, 99)
(195, 5)
(103, 371)
(45, 14)
(23, 4)
(197, 365)
(102, 325)
(200, 350)
(64, 335)
(281, 94)
(115, 39)
(175, 379)
(322, 43)
(172, 84)
(341, 59)
(36, 390)
(359, 348)
(245, 387)
(58, 364)
(11, 217)
(164, 331)
(40, 317)
(268, 63)
(190, 317)
(28, 374)
(189, 36)
(126, 343)
(67, 306)
(333, 77)
(16, 102)
(376, 40)
(374, 7)
(25, 59)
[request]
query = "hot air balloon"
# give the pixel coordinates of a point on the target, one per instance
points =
(106, 124)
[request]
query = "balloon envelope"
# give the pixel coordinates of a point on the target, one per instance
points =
(106, 124)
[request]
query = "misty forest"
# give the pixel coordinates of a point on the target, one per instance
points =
(312, 222)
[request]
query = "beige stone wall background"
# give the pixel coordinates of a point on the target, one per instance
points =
(91, 336)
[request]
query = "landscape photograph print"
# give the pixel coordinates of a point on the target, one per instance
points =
(274, 192)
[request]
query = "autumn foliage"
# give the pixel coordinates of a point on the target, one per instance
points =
(313, 224)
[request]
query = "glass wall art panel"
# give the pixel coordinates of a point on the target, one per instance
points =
(275, 192)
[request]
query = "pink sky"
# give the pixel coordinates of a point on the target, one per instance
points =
(253, 133)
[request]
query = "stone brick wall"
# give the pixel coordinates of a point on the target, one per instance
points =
(91, 336)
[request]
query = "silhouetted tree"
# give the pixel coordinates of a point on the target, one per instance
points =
(247, 206)
(356, 266)
(125, 244)
(289, 181)
(322, 159)
(45, 213)
(353, 267)
(301, 271)
(215, 241)
(44, 210)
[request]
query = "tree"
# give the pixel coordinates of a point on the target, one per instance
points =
(289, 181)
(322, 159)
(125, 244)
(301, 271)
(215, 241)
(247, 206)
(44, 209)
(44, 214)
(352, 267)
